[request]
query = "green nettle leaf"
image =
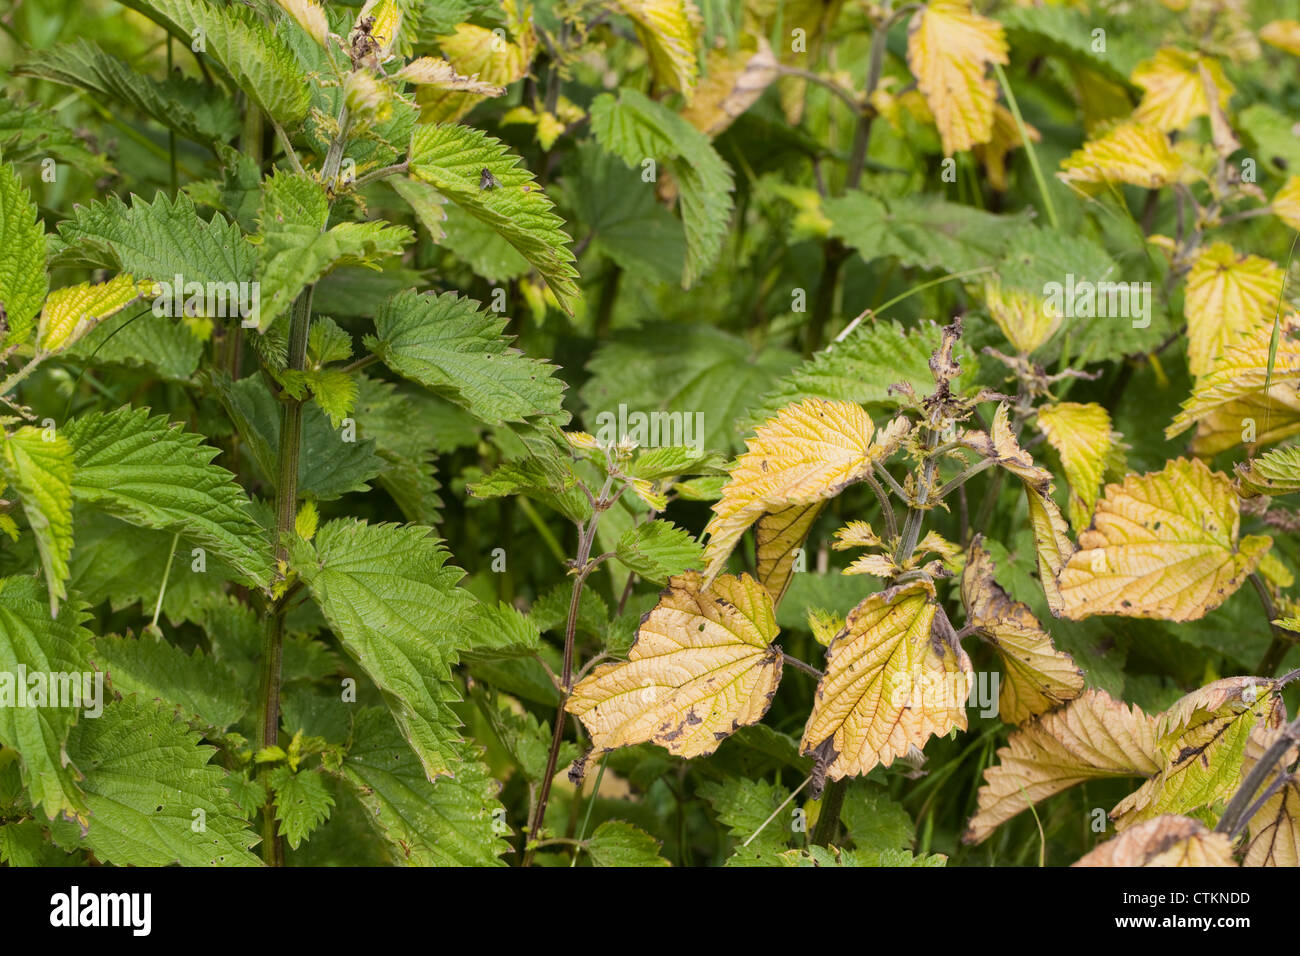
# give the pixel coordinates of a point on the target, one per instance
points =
(259, 61)
(452, 159)
(331, 466)
(449, 344)
(658, 549)
(193, 685)
(183, 104)
(32, 648)
(922, 231)
(147, 781)
(32, 133)
(393, 603)
(706, 375)
(615, 843)
(147, 472)
(636, 129)
(302, 803)
(23, 280)
(863, 367)
(745, 808)
(531, 479)
(500, 631)
(450, 822)
(39, 465)
(296, 248)
(159, 241)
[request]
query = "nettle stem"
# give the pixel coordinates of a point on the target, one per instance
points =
(585, 564)
(286, 509)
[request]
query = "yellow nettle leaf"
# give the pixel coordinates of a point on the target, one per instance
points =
(1274, 830)
(1129, 153)
(310, 16)
(1228, 295)
(823, 624)
(435, 71)
(1241, 373)
(1092, 737)
(669, 30)
(1200, 746)
(1286, 204)
(1272, 570)
(484, 56)
(1005, 138)
(1169, 840)
(703, 665)
(386, 24)
(1174, 94)
(1022, 315)
(1038, 677)
(779, 537)
(892, 681)
(307, 520)
(1102, 101)
(70, 313)
(1082, 437)
(949, 49)
(879, 565)
(733, 82)
(807, 453)
(1052, 543)
(1162, 545)
(856, 534)
(1283, 34)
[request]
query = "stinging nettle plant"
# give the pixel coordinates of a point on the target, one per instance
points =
(310, 557)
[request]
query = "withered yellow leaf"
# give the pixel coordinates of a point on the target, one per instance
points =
(310, 16)
(733, 82)
(437, 72)
(668, 30)
(1091, 737)
(1129, 153)
(892, 681)
(702, 666)
(1165, 841)
(1228, 296)
(1274, 830)
(1243, 372)
(1200, 746)
(1283, 34)
(1005, 138)
(779, 535)
(1174, 94)
(484, 56)
(949, 49)
(70, 313)
(1038, 677)
(1162, 545)
(1022, 315)
(807, 453)
(1052, 543)
(1286, 204)
(1082, 437)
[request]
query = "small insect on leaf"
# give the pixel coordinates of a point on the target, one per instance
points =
(486, 180)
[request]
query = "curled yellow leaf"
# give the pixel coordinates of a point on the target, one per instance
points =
(1129, 153)
(1038, 677)
(71, 312)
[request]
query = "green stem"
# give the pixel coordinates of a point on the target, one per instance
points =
(1029, 146)
(828, 817)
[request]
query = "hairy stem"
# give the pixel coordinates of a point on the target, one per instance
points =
(828, 817)
(585, 566)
